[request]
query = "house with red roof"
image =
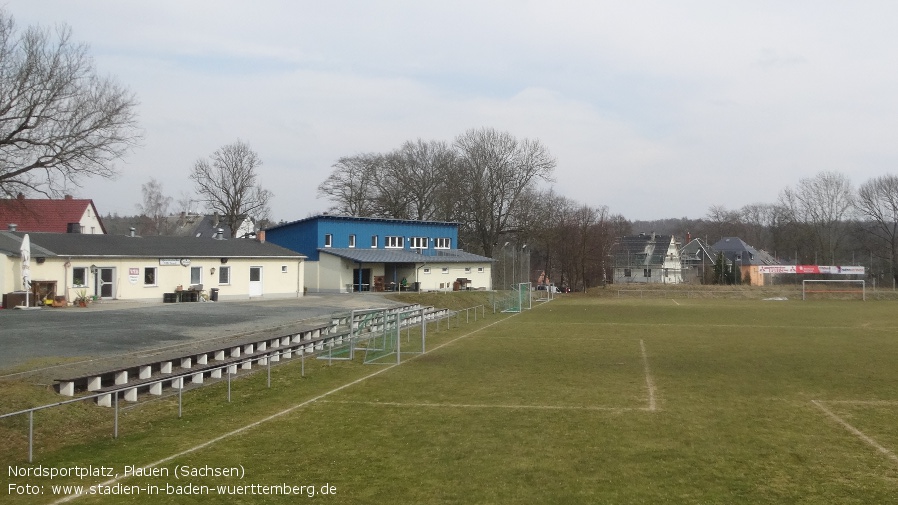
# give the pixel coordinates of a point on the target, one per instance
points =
(69, 215)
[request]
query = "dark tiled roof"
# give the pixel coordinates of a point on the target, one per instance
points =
(405, 256)
(76, 244)
(45, 215)
(731, 247)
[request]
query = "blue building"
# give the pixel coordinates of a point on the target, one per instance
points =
(360, 254)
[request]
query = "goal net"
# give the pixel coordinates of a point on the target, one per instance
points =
(833, 289)
(518, 299)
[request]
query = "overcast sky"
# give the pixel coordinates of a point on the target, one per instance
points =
(655, 109)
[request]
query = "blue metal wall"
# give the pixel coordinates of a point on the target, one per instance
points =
(307, 236)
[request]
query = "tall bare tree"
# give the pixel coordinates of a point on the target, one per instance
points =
(415, 181)
(60, 121)
(154, 208)
(494, 171)
(229, 184)
(824, 204)
(877, 202)
(351, 186)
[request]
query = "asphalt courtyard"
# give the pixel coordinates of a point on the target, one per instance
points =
(49, 341)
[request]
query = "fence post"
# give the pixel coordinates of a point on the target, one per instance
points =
(180, 390)
(269, 369)
(303, 358)
(30, 435)
(115, 424)
(228, 372)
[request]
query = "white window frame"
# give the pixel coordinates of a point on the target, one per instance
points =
(443, 243)
(199, 271)
(418, 242)
(394, 242)
(480, 270)
(155, 276)
(328, 240)
(373, 241)
(467, 270)
(222, 270)
(85, 277)
(427, 270)
(352, 241)
(445, 270)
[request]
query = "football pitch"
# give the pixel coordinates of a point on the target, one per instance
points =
(580, 400)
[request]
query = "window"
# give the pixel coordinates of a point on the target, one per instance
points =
(352, 241)
(196, 275)
(628, 272)
(647, 272)
(443, 243)
(79, 276)
(394, 242)
(479, 270)
(224, 275)
(374, 241)
(328, 240)
(149, 276)
(426, 270)
(445, 270)
(467, 270)
(283, 269)
(418, 243)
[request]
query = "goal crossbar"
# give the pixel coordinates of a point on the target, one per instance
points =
(807, 287)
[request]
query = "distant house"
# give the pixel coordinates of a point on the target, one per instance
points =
(69, 215)
(146, 268)
(745, 257)
(208, 225)
(697, 258)
(647, 259)
(348, 254)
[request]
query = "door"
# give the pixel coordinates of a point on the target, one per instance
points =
(255, 281)
(105, 282)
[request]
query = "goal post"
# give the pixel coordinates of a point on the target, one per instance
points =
(833, 287)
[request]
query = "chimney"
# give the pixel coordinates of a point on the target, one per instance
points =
(20, 196)
(260, 235)
(13, 227)
(133, 231)
(68, 197)
(220, 234)
(73, 228)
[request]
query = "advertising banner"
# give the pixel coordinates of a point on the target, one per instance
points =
(811, 269)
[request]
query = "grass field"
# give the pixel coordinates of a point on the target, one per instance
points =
(581, 400)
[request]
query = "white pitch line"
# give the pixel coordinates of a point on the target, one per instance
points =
(274, 416)
(676, 302)
(856, 432)
(650, 384)
(883, 403)
(487, 406)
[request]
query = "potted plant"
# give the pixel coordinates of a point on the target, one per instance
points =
(82, 299)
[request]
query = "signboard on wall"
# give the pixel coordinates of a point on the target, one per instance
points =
(133, 275)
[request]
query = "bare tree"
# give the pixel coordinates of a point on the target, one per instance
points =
(415, 181)
(154, 208)
(229, 184)
(824, 203)
(877, 201)
(59, 120)
(351, 185)
(494, 171)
